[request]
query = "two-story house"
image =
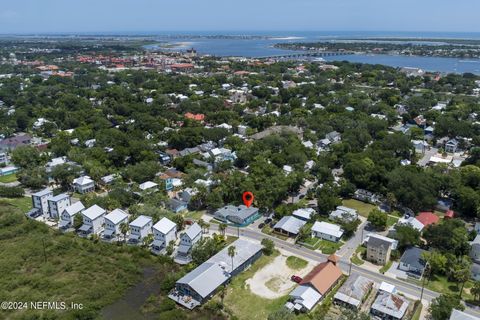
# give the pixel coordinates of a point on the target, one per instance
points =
(140, 228)
(164, 231)
(67, 217)
(113, 220)
(187, 240)
(83, 185)
(57, 204)
(40, 201)
(93, 219)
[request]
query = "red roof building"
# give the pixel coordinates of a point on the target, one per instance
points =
(449, 214)
(427, 218)
(197, 117)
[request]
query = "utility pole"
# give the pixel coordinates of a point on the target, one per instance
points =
(423, 281)
(350, 268)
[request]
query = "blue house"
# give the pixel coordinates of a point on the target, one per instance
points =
(177, 205)
(241, 215)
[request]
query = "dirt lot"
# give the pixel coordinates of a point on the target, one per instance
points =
(273, 281)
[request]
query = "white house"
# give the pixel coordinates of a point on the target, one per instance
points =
(304, 213)
(344, 213)
(113, 220)
(475, 249)
(327, 231)
(187, 239)
(164, 231)
(83, 184)
(40, 200)
(148, 185)
(93, 219)
(67, 218)
(57, 204)
(140, 228)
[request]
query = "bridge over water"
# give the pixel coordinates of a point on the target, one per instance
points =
(307, 54)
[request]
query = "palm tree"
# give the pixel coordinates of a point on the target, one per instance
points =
(147, 240)
(124, 230)
(201, 223)
(207, 226)
(476, 290)
(222, 227)
(232, 252)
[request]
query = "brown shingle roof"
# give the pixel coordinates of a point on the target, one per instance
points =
(323, 276)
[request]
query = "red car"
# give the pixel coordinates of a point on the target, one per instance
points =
(296, 279)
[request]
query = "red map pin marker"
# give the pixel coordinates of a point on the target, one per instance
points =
(248, 198)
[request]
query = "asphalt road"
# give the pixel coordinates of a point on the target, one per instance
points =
(345, 265)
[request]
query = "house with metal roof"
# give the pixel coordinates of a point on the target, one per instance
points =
(238, 215)
(164, 231)
(140, 228)
(460, 315)
(187, 240)
(57, 204)
(113, 220)
(67, 218)
(354, 291)
(327, 231)
(199, 285)
(83, 184)
(304, 213)
(316, 284)
(344, 213)
(412, 262)
(289, 225)
(389, 306)
(40, 201)
(93, 219)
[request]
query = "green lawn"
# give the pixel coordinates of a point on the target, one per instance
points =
(362, 207)
(328, 247)
(24, 203)
(386, 267)
(244, 304)
(296, 263)
(311, 243)
(195, 215)
(8, 178)
(391, 220)
(442, 285)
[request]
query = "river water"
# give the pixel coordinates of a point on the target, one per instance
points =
(261, 47)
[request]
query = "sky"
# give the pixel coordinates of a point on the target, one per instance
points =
(77, 16)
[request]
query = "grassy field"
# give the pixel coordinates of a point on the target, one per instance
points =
(328, 247)
(296, 263)
(195, 215)
(418, 311)
(391, 220)
(362, 207)
(311, 243)
(40, 264)
(24, 204)
(8, 178)
(244, 304)
(442, 285)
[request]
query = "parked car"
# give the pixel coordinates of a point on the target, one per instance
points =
(267, 221)
(261, 225)
(296, 279)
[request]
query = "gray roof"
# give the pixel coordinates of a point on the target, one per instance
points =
(391, 304)
(378, 242)
(141, 221)
(43, 192)
(74, 208)
(59, 197)
(193, 231)
(460, 315)
(354, 290)
(165, 225)
(244, 250)
(413, 257)
(241, 211)
(94, 212)
(206, 278)
(290, 224)
(117, 216)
